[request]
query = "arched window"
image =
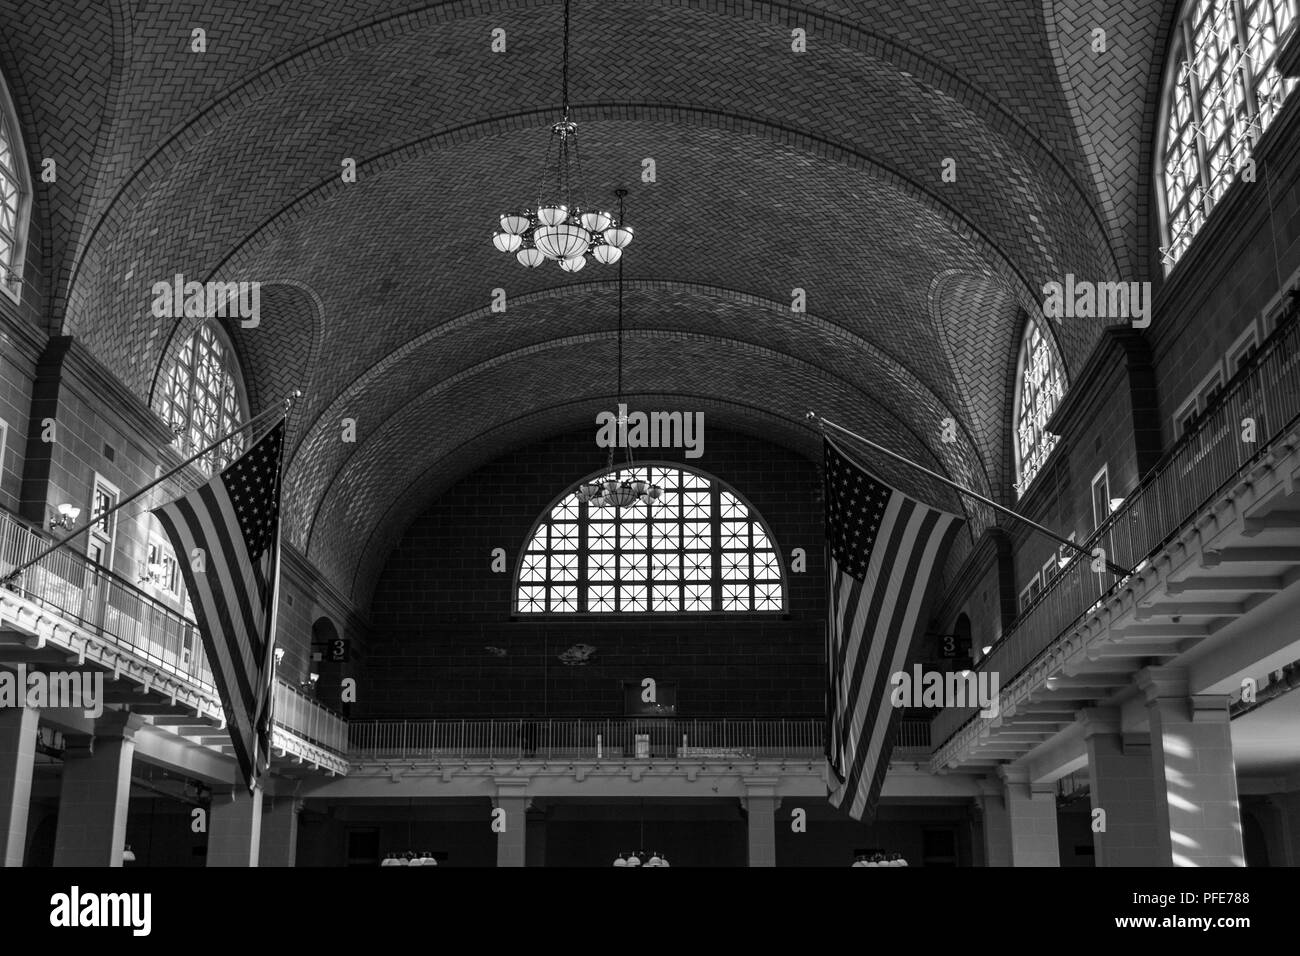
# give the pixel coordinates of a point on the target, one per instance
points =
(15, 198)
(202, 396)
(1222, 90)
(1040, 383)
(699, 549)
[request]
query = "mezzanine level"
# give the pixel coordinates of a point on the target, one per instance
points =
(1211, 535)
(66, 612)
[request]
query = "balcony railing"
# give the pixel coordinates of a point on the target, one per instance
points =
(617, 738)
(103, 602)
(1195, 470)
(307, 719)
(109, 606)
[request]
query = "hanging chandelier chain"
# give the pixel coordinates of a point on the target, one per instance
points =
(565, 80)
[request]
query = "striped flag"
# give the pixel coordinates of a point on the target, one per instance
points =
(882, 548)
(227, 536)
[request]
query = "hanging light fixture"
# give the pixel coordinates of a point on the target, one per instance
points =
(613, 491)
(559, 227)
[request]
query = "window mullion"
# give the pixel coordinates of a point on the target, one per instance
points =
(1198, 119)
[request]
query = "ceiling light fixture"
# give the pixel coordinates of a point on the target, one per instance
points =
(559, 228)
(614, 491)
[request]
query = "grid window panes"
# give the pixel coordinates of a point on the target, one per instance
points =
(698, 549)
(1226, 91)
(12, 195)
(200, 398)
(1040, 383)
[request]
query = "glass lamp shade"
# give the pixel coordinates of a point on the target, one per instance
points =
(655, 861)
(575, 264)
(618, 236)
(514, 224)
(620, 861)
(530, 257)
(564, 241)
(606, 254)
(654, 492)
(506, 241)
(595, 221)
(639, 487)
(623, 495)
(389, 860)
(588, 491)
(633, 861)
(552, 215)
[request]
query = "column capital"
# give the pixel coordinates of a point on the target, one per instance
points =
(1099, 720)
(1209, 708)
(1157, 683)
(1009, 774)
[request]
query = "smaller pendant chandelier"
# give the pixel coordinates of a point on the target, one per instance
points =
(612, 491)
(559, 228)
(641, 858)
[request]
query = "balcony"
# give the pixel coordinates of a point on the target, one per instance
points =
(1203, 466)
(67, 608)
(613, 739)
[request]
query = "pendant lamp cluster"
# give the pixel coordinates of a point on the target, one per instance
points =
(642, 858)
(560, 227)
(409, 858)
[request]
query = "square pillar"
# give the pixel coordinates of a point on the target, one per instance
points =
(1031, 812)
(18, 727)
(1119, 784)
(235, 827)
(760, 805)
(995, 824)
(1198, 814)
(512, 797)
(279, 832)
(95, 793)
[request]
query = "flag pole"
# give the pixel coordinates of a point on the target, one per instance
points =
(962, 489)
(91, 519)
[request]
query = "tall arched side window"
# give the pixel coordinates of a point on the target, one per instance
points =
(700, 549)
(15, 198)
(1222, 90)
(1040, 383)
(202, 397)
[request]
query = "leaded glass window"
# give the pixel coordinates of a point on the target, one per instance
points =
(699, 549)
(1225, 91)
(14, 198)
(200, 397)
(1040, 383)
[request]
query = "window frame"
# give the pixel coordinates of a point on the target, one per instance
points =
(1232, 72)
(1103, 473)
(108, 539)
(1044, 328)
(11, 129)
(188, 353)
(716, 551)
(174, 585)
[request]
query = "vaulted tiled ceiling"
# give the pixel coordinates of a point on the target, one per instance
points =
(775, 170)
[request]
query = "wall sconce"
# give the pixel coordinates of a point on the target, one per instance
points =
(279, 656)
(1115, 503)
(65, 516)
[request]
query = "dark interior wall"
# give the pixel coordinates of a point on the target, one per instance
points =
(438, 605)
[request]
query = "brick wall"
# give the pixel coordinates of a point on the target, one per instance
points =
(437, 605)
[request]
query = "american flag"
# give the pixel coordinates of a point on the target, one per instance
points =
(882, 549)
(227, 536)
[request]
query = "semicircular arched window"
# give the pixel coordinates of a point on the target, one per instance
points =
(15, 197)
(202, 397)
(1222, 90)
(1040, 383)
(700, 549)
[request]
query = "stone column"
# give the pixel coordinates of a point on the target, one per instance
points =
(1031, 812)
(512, 797)
(760, 805)
(279, 831)
(1119, 784)
(995, 825)
(235, 827)
(18, 727)
(1198, 815)
(95, 792)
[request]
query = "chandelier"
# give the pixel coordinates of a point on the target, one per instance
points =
(559, 227)
(612, 491)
